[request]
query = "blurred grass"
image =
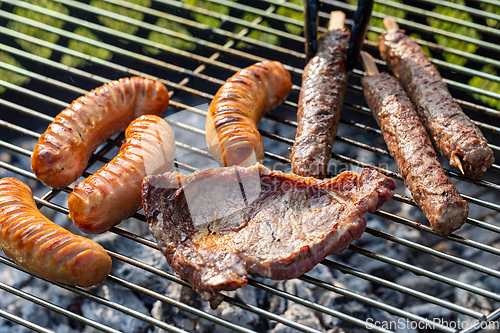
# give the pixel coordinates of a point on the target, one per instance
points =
(256, 34)
(36, 32)
(168, 40)
(491, 9)
(294, 14)
(85, 48)
(120, 25)
(217, 23)
(205, 19)
(376, 22)
(456, 28)
(487, 85)
(10, 76)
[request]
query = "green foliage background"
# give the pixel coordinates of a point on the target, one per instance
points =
(214, 21)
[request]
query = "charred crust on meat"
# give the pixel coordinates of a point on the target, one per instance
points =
(411, 147)
(452, 131)
(323, 87)
(226, 120)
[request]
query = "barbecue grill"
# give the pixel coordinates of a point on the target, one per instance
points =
(193, 63)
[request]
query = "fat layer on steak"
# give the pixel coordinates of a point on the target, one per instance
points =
(216, 225)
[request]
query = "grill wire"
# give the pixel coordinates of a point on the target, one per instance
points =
(192, 78)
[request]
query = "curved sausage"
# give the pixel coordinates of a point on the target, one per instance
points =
(42, 247)
(320, 102)
(62, 152)
(412, 149)
(454, 134)
(113, 193)
(231, 128)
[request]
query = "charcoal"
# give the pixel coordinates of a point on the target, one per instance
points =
(62, 328)
(14, 278)
(431, 311)
(470, 300)
(420, 283)
(235, 315)
(35, 314)
(177, 317)
(322, 273)
(390, 296)
(298, 314)
(406, 329)
(354, 284)
(298, 288)
(330, 300)
(277, 304)
(112, 318)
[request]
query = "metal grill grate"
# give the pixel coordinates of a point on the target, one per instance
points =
(193, 77)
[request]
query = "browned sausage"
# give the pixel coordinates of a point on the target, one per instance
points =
(454, 134)
(63, 151)
(42, 247)
(113, 193)
(231, 128)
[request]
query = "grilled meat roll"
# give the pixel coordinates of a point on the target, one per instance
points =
(323, 86)
(231, 128)
(42, 247)
(113, 193)
(409, 144)
(454, 134)
(63, 151)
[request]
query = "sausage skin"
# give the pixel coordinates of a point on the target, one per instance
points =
(42, 247)
(231, 128)
(320, 102)
(62, 152)
(454, 134)
(113, 193)
(411, 147)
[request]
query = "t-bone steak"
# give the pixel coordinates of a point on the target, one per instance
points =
(216, 225)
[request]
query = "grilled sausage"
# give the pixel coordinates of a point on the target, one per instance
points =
(231, 128)
(454, 134)
(63, 151)
(42, 247)
(323, 86)
(113, 193)
(412, 149)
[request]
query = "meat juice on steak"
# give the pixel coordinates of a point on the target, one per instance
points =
(216, 225)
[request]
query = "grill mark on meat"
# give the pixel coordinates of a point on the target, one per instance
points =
(63, 150)
(214, 238)
(320, 101)
(454, 134)
(242, 189)
(232, 135)
(272, 230)
(412, 149)
(226, 121)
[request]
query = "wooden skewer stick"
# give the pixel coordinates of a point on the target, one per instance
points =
(390, 23)
(369, 64)
(337, 19)
(459, 164)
